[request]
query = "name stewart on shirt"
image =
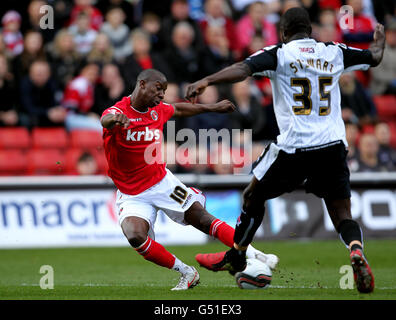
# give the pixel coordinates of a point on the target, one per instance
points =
(319, 64)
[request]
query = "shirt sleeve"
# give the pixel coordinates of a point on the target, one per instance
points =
(264, 61)
(71, 99)
(168, 111)
(356, 59)
(111, 110)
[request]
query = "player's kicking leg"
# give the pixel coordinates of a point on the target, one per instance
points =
(136, 231)
(239, 239)
(351, 234)
(198, 217)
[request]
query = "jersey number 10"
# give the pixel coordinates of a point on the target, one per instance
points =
(179, 194)
(305, 96)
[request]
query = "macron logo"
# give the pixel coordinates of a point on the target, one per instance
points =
(147, 135)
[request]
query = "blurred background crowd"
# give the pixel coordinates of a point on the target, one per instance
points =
(56, 82)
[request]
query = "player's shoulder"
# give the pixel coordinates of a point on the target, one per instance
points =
(163, 106)
(331, 48)
(120, 106)
(334, 43)
(272, 50)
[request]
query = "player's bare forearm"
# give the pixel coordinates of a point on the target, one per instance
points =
(110, 120)
(378, 46)
(185, 109)
(237, 72)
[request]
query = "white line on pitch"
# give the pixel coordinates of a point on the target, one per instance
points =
(201, 285)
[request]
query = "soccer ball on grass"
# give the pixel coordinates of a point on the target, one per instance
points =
(257, 275)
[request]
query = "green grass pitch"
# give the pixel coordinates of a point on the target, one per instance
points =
(307, 270)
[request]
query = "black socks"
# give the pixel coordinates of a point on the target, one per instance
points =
(349, 231)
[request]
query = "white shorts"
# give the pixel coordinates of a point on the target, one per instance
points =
(169, 195)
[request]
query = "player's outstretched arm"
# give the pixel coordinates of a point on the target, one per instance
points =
(237, 72)
(110, 120)
(378, 46)
(185, 109)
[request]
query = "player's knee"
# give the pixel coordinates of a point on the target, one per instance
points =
(136, 239)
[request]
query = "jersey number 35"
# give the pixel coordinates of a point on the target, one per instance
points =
(305, 96)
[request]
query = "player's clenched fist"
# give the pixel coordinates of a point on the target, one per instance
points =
(111, 120)
(121, 120)
(224, 106)
(195, 89)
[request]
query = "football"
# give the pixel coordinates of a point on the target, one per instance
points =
(257, 275)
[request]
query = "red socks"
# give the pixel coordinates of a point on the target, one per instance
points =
(155, 252)
(222, 231)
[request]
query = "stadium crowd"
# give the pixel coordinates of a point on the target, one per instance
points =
(65, 76)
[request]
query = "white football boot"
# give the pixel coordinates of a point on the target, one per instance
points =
(269, 259)
(188, 280)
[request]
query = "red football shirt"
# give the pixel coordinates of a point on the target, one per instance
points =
(134, 154)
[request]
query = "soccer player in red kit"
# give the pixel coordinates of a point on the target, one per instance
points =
(132, 136)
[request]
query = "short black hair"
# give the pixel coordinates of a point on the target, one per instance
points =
(85, 156)
(295, 20)
(150, 74)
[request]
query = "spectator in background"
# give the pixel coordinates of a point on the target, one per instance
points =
(180, 13)
(288, 4)
(249, 113)
(368, 160)
(256, 43)
(182, 57)
(64, 58)
(33, 50)
(101, 52)
(118, 33)
(384, 10)
(273, 6)
(386, 153)
(62, 11)
(255, 23)
(328, 27)
(95, 18)
(83, 34)
(4, 50)
(363, 27)
(128, 7)
(110, 90)
(312, 7)
(34, 18)
(351, 134)
(215, 16)
(356, 104)
(78, 100)
(38, 94)
(86, 164)
(172, 95)
(334, 4)
(326, 33)
(383, 79)
(142, 58)
(217, 54)
(8, 94)
(151, 23)
(12, 36)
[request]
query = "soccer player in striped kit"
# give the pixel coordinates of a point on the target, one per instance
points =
(311, 148)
